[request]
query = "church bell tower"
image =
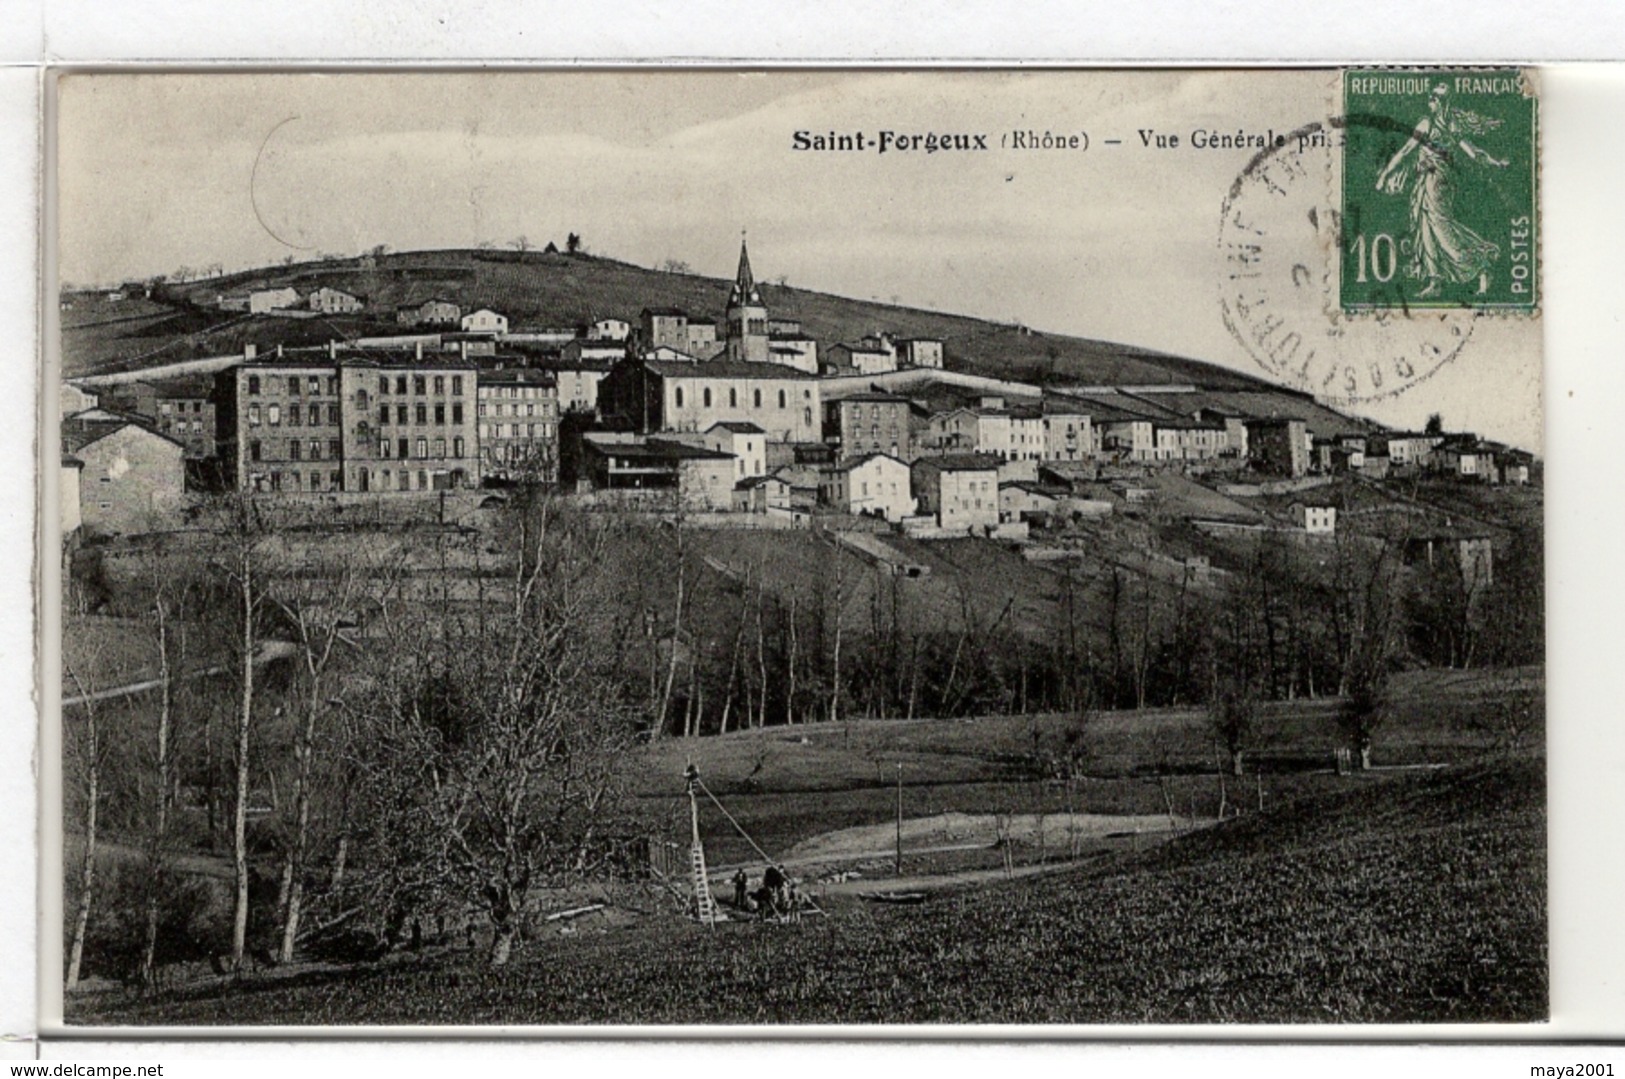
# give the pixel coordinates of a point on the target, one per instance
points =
(747, 315)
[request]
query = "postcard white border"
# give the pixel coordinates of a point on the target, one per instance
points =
(1585, 385)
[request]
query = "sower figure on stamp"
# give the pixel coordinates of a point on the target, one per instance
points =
(1441, 246)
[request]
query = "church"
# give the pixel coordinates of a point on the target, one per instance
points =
(662, 394)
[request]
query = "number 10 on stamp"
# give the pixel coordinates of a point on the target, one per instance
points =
(1439, 190)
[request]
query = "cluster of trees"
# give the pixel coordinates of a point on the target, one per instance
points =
(356, 733)
(340, 742)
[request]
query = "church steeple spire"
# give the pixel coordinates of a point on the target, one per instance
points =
(744, 290)
(747, 314)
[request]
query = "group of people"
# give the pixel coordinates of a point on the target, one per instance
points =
(778, 896)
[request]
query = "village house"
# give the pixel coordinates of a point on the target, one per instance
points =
(702, 340)
(518, 412)
(919, 352)
(609, 329)
(1021, 500)
(485, 321)
(579, 373)
(763, 494)
(877, 485)
(866, 423)
(1317, 519)
(699, 478)
(1465, 457)
(745, 441)
(1188, 440)
(1278, 446)
(664, 327)
(1408, 448)
(435, 311)
(333, 301)
(261, 301)
(1068, 432)
(859, 359)
(130, 477)
(960, 490)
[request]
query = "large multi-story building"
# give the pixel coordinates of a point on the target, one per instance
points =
(866, 423)
(653, 396)
(377, 422)
(519, 424)
(181, 408)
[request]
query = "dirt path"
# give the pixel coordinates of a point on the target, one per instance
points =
(944, 880)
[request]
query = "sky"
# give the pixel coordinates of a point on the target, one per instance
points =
(156, 172)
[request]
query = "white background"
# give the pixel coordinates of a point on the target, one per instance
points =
(1584, 148)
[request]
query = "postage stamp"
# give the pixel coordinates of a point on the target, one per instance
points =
(1439, 190)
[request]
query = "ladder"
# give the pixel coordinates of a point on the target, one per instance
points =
(705, 907)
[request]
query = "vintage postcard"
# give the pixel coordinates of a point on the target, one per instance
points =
(579, 548)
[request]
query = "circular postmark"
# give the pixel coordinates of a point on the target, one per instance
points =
(1279, 237)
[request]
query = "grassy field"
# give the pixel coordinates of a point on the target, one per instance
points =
(1407, 897)
(539, 289)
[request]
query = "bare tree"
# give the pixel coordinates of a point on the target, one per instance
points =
(520, 244)
(492, 739)
(85, 744)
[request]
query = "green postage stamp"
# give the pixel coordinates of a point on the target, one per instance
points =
(1439, 190)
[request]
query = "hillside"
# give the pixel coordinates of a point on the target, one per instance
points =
(1307, 912)
(536, 289)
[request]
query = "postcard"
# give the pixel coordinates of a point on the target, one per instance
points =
(572, 549)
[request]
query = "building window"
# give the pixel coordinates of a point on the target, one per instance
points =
(457, 412)
(756, 398)
(293, 415)
(254, 384)
(273, 415)
(457, 385)
(254, 450)
(383, 384)
(440, 384)
(783, 401)
(400, 384)
(679, 396)
(405, 480)
(333, 415)
(420, 385)
(335, 449)
(400, 415)
(332, 385)
(733, 397)
(423, 414)
(337, 479)
(457, 447)
(401, 447)
(383, 448)
(480, 409)
(705, 397)
(423, 448)
(440, 415)
(293, 385)
(440, 448)
(295, 451)
(383, 415)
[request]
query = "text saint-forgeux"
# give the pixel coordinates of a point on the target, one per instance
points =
(885, 141)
